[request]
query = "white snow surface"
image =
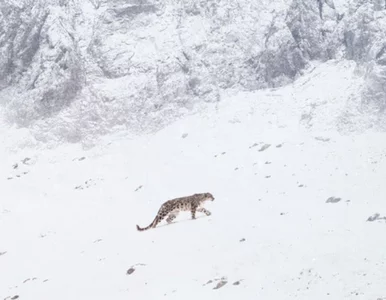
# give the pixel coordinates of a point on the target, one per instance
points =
(68, 215)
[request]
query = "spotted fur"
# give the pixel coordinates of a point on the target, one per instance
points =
(172, 207)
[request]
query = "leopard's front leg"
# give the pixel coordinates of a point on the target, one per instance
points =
(193, 211)
(205, 211)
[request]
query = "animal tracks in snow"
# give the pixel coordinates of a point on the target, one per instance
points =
(21, 168)
(88, 183)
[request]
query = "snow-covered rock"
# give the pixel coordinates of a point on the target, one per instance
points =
(72, 69)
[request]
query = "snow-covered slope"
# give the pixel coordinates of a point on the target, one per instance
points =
(290, 219)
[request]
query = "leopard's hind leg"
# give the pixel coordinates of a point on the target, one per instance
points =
(172, 215)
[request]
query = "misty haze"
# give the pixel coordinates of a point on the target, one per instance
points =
(263, 121)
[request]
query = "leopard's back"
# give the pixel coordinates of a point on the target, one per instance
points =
(181, 204)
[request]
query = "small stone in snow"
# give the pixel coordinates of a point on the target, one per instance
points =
(138, 188)
(333, 200)
(264, 147)
(130, 271)
(220, 284)
(374, 217)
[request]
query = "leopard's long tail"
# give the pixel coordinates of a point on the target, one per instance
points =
(152, 225)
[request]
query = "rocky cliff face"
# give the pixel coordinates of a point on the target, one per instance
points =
(72, 68)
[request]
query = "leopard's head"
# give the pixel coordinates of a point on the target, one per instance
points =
(208, 196)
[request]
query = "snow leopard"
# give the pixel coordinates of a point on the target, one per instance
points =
(171, 208)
